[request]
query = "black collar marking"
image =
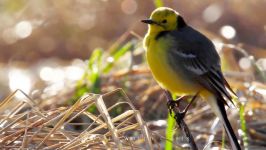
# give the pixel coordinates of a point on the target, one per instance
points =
(180, 22)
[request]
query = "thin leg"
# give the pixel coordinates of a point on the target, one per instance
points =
(192, 100)
(171, 104)
(179, 115)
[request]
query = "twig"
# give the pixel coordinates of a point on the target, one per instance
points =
(179, 118)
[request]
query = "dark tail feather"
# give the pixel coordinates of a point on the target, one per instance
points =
(228, 86)
(219, 109)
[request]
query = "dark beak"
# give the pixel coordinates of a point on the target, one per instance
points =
(148, 21)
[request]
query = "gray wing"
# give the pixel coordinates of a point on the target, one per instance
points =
(196, 56)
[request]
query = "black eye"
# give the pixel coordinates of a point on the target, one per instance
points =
(164, 21)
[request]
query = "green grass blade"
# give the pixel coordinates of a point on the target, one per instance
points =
(243, 126)
(95, 58)
(94, 67)
(169, 132)
(223, 140)
(116, 55)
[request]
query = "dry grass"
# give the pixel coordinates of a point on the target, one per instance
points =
(25, 125)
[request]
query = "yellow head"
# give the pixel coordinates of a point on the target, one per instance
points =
(164, 19)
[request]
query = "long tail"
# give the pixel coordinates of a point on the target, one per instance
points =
(217, 106)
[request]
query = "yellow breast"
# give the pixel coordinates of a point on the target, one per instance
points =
(164, 74)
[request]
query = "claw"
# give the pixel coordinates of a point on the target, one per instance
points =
(171, 104)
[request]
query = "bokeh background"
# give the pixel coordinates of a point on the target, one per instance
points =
(46, 48)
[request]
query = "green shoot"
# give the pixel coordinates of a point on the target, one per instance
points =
(243, 125)
(223, 140)
(117, 54)
(170, 131)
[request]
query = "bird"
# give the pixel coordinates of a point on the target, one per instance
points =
(183, 61)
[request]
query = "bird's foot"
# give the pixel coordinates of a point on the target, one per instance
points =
(171, 104)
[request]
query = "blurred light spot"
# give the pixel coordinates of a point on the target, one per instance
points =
(160, 123)
(262, 63)
(17, 142)
(135, 67)
(92, 137)
(58, 75)
(129, 6)
(95, 68)
(215, 148)
(228, 32)
(74, 73)
(9, 36)
(245, 63)
(250, 112)
(247, 84)
(212, 13)
(261, 91)
(47, 44)
(86, 22)
(240, 132)
(251, 88)
(242, 99)
(23, 29)
(110, 59)
(45, 73)
(52, 74)
(19, 79)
